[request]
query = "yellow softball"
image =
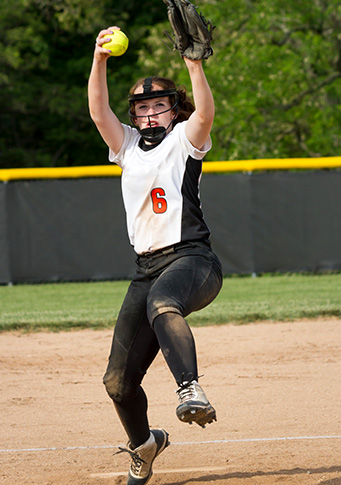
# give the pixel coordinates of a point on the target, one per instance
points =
(118, 43)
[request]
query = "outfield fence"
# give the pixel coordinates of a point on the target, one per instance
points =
(68, 224)
(208, 167)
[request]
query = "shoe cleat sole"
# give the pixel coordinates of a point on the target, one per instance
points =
(200, 416)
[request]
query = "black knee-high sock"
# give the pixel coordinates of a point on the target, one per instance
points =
(177, 345)
(133, 416)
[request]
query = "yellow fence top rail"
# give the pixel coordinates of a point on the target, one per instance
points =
(208, 167)
(60, 172)
(272, 164)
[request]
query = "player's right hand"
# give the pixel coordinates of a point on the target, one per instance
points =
(101, 53)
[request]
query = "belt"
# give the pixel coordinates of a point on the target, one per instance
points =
(159, 252)
(172, 249)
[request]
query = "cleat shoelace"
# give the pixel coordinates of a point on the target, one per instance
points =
(136, 460)
(186, 392)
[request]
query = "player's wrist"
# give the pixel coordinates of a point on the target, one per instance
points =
(194, 67)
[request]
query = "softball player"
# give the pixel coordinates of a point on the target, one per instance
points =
(176, 271)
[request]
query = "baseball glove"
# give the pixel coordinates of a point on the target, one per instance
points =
(192, 32)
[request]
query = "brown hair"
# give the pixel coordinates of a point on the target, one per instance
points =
(185, 105)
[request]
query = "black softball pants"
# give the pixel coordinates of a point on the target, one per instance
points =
(168, 285)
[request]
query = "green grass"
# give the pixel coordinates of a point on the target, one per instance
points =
(242, 299)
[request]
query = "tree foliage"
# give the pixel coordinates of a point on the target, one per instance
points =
(275, 75)
(46, 49)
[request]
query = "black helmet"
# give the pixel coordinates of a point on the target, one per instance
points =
(157, 133)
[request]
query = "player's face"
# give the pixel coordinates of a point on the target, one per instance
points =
(153, 112)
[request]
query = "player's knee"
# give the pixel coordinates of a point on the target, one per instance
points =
(161, 311)
(117, 389)
(158, 306)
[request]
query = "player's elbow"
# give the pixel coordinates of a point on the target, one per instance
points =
(205, 117)
(205, 122)
(95, 114)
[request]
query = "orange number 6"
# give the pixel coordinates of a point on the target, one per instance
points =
(159, 202)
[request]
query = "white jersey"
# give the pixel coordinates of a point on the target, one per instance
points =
(160, 189)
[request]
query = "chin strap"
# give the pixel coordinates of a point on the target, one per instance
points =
(153, 134)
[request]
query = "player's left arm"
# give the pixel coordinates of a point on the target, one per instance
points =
(200, 122)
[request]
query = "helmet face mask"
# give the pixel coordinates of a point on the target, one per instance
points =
(152, 134)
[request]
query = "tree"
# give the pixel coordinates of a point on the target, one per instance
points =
(275, 75)
(46, 49)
